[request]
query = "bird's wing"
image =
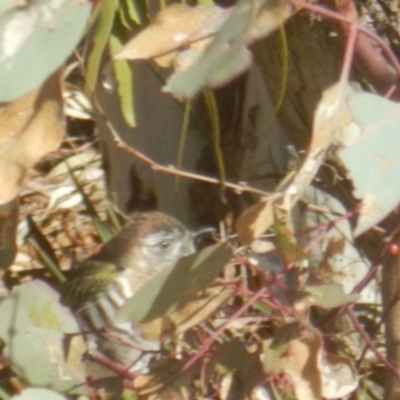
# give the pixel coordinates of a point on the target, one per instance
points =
(90, 279)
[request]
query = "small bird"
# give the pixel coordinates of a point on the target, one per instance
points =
(149, 243)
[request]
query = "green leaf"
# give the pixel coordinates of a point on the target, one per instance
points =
(206, 2)
(45, 249)
(6, 5)
(38, 394)
(176, 285)
(225, 58)
(136, 10)
(102, 230)
(36, 40)
(131, 13)
(212, 109)
(104, 25)
(372, 160)
(328, 296)
(123, 75)
(125, 21)
(33, 326)
(288, 249)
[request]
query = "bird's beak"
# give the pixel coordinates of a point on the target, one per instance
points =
(198, 236)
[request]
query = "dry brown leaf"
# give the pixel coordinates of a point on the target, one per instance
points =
(76, 349)
(149, 386)
(163, 382)
(230, 386)
(339, 376)
(30, 127)
(331, 117)
(255, 220)
(335, 246)
(270, 15)
(174, 27)
(262, 246)
(299, 353)
(191, 314)
(302, 367)
(199, 310)
(8, 229)
(297, 356)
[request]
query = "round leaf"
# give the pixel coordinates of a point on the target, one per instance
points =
(372, 160)
(35, 40)
(33, 326)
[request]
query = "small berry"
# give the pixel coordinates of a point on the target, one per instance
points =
(393, 249)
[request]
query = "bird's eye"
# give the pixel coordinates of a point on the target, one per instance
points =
(164, 245)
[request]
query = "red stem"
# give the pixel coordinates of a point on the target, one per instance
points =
(211, 340)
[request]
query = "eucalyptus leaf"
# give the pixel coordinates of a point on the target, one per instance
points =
(38, 394)
(105, 21)
(136, 10)
(372, 160)
(124, 77)
(176, 285)
(6, 5)
(36, 40)
(224, 58)
(328, 296)
(33, 326)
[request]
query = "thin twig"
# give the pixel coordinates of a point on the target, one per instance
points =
(210, 341)
(361, 29)
(238, 188)
(371, 345)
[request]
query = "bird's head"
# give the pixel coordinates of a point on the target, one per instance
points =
(149, 243)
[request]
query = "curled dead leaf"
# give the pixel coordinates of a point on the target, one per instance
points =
(30, 127)
(189, 315)
(335, 246)
(174, 27)
(299, 353)
(329, 120)
(207, 45)
(255, 221)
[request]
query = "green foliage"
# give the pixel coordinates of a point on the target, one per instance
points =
(259, 321)
(371, 159)
(124, 77)
(38, 394)
(41, 36)
(176, 285)
(104, 24)
(215, 67)
(33, 327)
(328, 296)
(107, 36)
